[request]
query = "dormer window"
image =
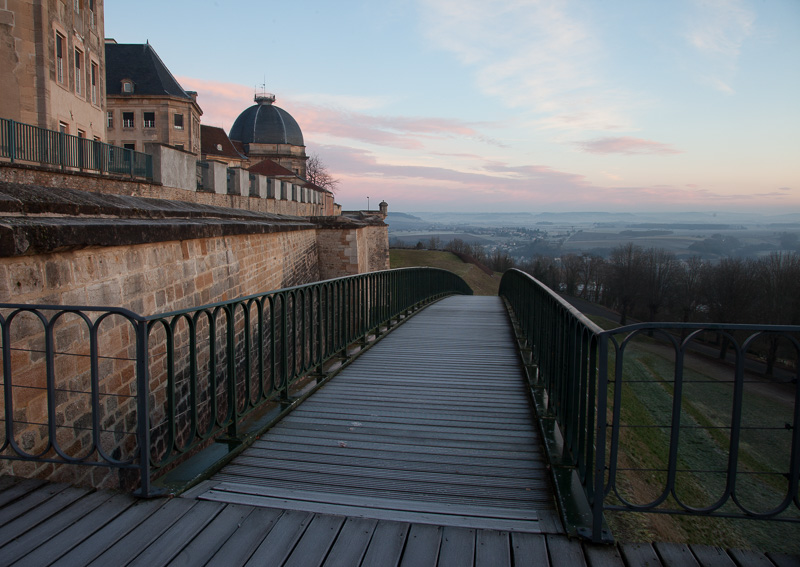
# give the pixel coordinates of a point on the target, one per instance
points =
(127, 87)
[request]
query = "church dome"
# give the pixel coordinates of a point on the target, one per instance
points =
(265, 123)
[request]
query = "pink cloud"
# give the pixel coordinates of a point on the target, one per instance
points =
(626, 145)
(223, 102)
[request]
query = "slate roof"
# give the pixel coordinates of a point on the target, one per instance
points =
(265, 123)
(271, 169)
(141, 64)
(212, 137)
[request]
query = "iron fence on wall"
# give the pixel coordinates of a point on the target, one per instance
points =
(648, 424)
(25, 143)
(111, 388)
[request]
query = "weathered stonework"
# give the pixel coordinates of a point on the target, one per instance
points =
(62, 246)
(35, 176)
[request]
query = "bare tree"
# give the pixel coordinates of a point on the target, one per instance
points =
(318, 174)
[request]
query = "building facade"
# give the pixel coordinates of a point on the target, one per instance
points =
(52, 65)
(145, 103)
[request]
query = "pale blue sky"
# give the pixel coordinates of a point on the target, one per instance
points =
(513, 105)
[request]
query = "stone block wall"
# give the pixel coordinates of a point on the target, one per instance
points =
(349, 246)
(147, 279)
(62, 246)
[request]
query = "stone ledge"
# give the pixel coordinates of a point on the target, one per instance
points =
(22, 199)
(27, 236)
(40, 220)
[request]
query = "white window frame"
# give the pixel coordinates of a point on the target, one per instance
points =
(78, 71)
(148, 123)
(61, 41)
(129, 123)
(110, 119)
(95, 77)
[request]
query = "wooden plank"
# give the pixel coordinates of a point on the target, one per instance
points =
(639, 554)
(142, 535)
(76, 533)
(675, 555)
(492, 548)
(363, 471)
(564, 552)
(710, 556)
(422, 546)
(351, 545)
(783, 560)
(280, 540)
(387, 543)
(30, 539)
(213, 536)
(27, 500)
(333, 453)
(316, 541)
(406, 505)
(382, 513)
(244, 541)
(176, 537)
(116, 526)
(529, 550)
(446, 465)
(18, 488)
(603, 556)
(333, 441)
(457, 548)
(499, 497)
(750, 558)
(26, 521)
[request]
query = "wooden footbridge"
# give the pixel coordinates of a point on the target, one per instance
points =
(424, 451)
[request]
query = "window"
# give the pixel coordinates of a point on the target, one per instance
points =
(179, 121)
(77, 6)
(127, 87)
(91, 13)
(78, 66)
(81, 134)
(129, 146)
(110, 119)
(179, 146)
(95, 75)
(127, 119)
(149, 119)
(60, 44)
(63, 127)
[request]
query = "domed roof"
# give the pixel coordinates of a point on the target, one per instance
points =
(265, 123)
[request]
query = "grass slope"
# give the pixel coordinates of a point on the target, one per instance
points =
(480, 282)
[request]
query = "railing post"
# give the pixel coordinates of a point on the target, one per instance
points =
(62, 149)
(12, 140)
(143, 407)
(598, 491)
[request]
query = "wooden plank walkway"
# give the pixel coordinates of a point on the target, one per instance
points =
(433, 499)
(53, 524)
(432, 425)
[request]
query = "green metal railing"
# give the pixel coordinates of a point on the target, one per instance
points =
(25, 143)
(144, 392)
(603, 399)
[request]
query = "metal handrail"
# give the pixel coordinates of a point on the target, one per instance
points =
(21, 142)
(584, 373)
(157, 388)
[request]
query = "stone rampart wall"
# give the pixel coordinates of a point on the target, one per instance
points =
(147, 279)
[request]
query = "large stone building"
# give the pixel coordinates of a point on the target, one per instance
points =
(52, 65)
(145, 103)
(269, 132)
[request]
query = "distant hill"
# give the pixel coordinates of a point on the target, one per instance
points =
(480, 282)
